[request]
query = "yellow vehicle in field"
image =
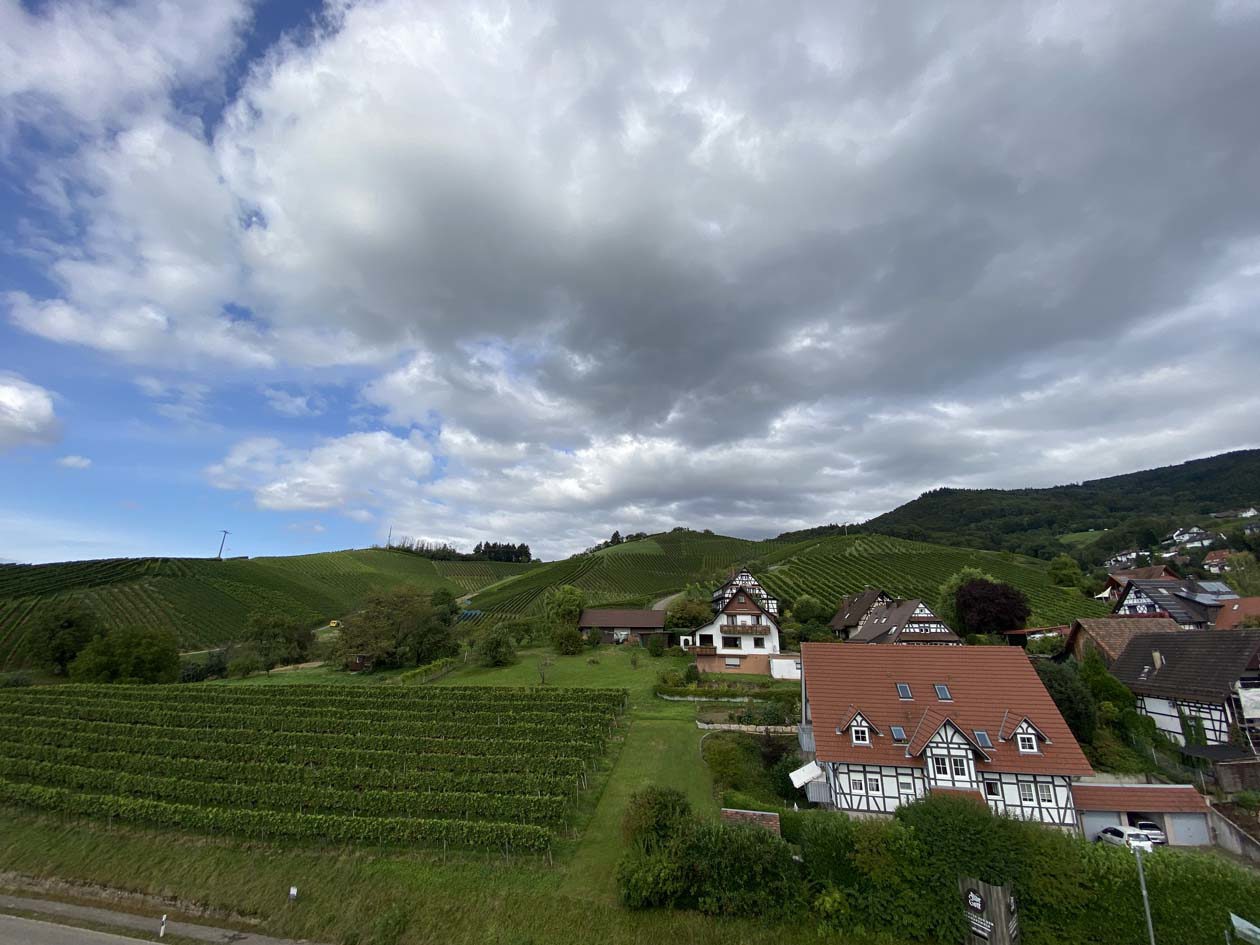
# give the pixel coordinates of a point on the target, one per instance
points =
(334, 623)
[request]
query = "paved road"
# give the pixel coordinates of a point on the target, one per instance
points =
(15, 931)
(664, 602)
(12, 933)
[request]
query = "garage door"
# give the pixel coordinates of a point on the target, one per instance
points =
(1093, 821)
(1188, 829)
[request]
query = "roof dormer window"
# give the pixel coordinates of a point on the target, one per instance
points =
(1027, 743)
(861, 735)
(942, 692)
(903, 691)
(898, 734)
(982, 738)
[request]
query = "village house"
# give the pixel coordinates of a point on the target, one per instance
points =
(1108, 636)
(886, 725)
(744, 633)
(1124, 559)
(1188, 539)
(1193, 604)
(616, 625)
(1205, 685)
(1250, 530)
(1217, 562)
(1116, 580)
(1234, 612)
(1249, 512)
(874, 616)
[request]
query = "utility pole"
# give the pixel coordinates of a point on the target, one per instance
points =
(389, 541)
(1146, 902)
(222, 542)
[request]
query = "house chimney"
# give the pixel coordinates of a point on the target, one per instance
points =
(1158, 658)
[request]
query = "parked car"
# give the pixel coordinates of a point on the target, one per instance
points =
(1129, 837)
(1154, 831)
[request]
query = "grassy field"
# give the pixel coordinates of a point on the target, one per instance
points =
(207, 602)
(372, 896)
(827, 567)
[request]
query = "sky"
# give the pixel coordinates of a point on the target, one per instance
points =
(539, 271)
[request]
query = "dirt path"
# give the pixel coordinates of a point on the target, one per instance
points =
(664, 602)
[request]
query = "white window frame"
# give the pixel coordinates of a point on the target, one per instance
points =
(857, 784)
(759, 643)
(937, 687)
(937, 764)
(909, 696)
(899, 739)
(905, 785)
(732, 661)
(956, 763)
(1026, 795)
(992, 788)
(864, 739)
(877, 781)
(1045, 792)
(1027, 743)
(737, 645)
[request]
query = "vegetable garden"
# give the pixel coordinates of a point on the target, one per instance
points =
(481, 767)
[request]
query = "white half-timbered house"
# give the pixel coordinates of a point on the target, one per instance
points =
(1198, 687)
(889, 725)
(744, 631)
(874, 616)
(1193, 604)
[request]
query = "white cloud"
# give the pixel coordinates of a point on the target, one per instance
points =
(91, 62)
(352, 473)
(27, 415)
(74, 462)
(292, 405)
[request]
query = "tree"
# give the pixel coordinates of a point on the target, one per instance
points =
(568, 641)
(1065, 572)
(279, 638)
(687, 613)
(656, 645)
(61, 633)
(991, 607)
(496, 647)
(563, 606)
(1072, 696)
(809, 609)
(402, 627)
(946, 598)
(129, 655)
(615, 539)
(1244, 574)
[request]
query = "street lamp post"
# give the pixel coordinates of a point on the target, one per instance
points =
(1146, 901)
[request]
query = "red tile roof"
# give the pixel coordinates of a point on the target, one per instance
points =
(611, 618)
(990, 686)
(1142, 798)
(1234, 612)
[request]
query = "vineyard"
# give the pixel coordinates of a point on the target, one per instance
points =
(829, 568)
(635, 573)
(484, 767)
(207, 602)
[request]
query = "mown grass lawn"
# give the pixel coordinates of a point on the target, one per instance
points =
(399, 897)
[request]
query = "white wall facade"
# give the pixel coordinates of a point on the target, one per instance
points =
(738, 638)
(1167, 715)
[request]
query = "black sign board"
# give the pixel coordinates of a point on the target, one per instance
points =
(989, 912)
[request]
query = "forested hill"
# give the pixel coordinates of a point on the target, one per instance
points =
(1031, 521)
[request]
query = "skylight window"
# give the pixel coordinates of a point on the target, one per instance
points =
(942, 692)
(898, 733)
(903, 691)
(982, 739)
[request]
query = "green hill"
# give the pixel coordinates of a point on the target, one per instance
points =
(827, 567)
(207, 602)
(1133, 507)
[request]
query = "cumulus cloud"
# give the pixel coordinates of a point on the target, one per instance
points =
(74, 462)
(354, 474)
(629, 265)
(92, 62)
(27, 415)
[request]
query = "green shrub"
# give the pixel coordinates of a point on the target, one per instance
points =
(245, 663)
(496, 647)
(691, 675)
(716, 869)
(654, 816)
(1102, 685)
(656, 645)
(129, 655)
(14, 680)
(1073, 698)
(567, 641)
(1248, 801)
